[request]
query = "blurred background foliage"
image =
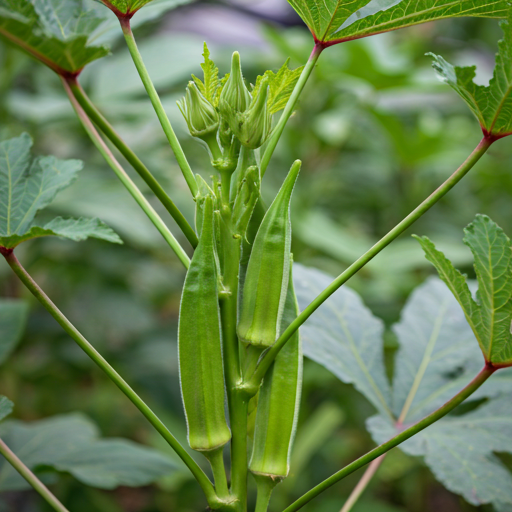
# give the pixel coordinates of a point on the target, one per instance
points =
(376, 131)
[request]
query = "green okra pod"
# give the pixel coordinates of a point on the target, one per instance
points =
(278, 405)
(200, 345)
(266, 279)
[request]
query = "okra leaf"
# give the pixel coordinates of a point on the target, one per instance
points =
(54, 31)
(491, 315)
(13, 318)
(6, 407)
(336, 21)
(125, 6)
(344, 337)
(71, 444)
(280, 84)
(210, 84)
(491, 104)
(28, 185)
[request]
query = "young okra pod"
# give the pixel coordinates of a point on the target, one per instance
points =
(266, 279)
(278, 405)
(200, 345)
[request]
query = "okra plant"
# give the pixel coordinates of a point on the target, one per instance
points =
(245, 304)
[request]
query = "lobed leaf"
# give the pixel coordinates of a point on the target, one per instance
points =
(6, 407)
(336, 21)
(491, 104)
(208, 88)
(13, 318)
(54, 31)
(71, 444)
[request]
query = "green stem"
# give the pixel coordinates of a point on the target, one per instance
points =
(125, 179)
(253, 383)
(96, 116)
(288, 111)
(216, 459)
(157, 105)
(264, 487)
(238, 417)
(32, 479)
(484, 374)
(70, 329)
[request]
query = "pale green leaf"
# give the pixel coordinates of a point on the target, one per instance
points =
(344, 337)
(54, 31)
(13, 318)
(6, 407)
(491, 104)
(71, 444)
(125, 6)
(280, 86)
(336, 21)
(209, 87)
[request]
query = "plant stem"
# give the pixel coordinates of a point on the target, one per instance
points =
(253, 383)
(362, 484)
(238, 416)
(484, 374)
(264, 487)
(70, 329)
(288, 111)
(96, 116)
(157, 105)
(32, 479)
(125, 179)
(216, 459)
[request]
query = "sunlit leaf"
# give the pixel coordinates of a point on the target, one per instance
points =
(71, 444)
(6, 407)
(491, 104)
(13, 318)
(210, 84)
(335, 21)
(54, 31)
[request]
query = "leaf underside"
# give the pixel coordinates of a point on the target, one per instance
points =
(125, 6)
(335, 21)
(28, 185)
(491, 104)
(71, 444)
(13, 318)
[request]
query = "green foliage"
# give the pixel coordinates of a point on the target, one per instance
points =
(125, 6)
(27, 186)
(13, 318)
(492, 104)
(71, 444)
(6, 407)
(53, 31)
(209, 87)
(491, 315)
(335, 21)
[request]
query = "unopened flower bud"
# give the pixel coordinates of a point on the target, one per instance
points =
(201, 116)
(235, 97)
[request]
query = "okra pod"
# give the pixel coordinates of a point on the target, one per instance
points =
(200, 345)
(266, 279)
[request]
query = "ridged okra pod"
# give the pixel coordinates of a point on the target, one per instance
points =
(200, 345)
(266, 280)
(278, 406)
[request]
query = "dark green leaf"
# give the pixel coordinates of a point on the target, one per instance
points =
(335, 21)
(54, 31)
(491, 104)
(344, 336)
(70, 443)
(6, 407)
(13, 317)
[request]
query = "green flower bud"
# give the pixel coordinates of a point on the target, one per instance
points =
(200, 114)
(235, 97)
(253, 127)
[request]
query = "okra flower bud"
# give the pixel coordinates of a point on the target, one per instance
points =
(235, 97)
(201, 116)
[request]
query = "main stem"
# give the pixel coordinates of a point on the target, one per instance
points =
(484, 374)
(100, 121)
(32, 479)
(290, 105)
(126, 180)
(253, 383)
(39, 294)
(157, 105)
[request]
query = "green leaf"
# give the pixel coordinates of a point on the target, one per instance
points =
(491, 316)
(125, 6)
(280, 84)
(13, 318)
(28, 186)
(336, 21)
(491, 104)
(71, 444)
(54, 31)
(344, 337)
(210, 86)
(6, 407)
